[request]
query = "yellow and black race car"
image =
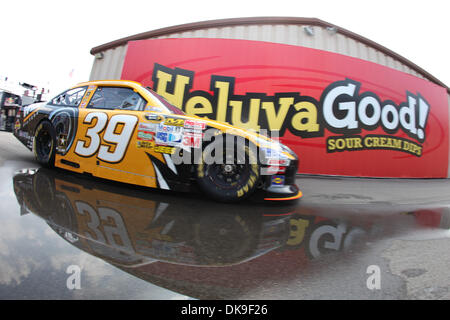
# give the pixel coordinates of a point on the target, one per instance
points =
(122, 131)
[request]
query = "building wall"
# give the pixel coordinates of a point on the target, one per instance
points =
(111, 65)
(324, 37)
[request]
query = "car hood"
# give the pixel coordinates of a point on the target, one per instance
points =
(260, 140)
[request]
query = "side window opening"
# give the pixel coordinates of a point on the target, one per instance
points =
(117, 98)
(69, 98)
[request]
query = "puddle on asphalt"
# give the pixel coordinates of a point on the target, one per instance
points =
(181, 242)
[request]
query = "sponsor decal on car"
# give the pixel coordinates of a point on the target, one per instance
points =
(274, 159)
(87, 96)
(168, 138)
(162, 137)
(192, 140)
(167, 128)
(277, 181)
(148, 126)
(174, 122)
(193, 126)
(145, 135)
(62, 142)
(153, 117)
(145, 144)
(174, 138)
(278, 162)
(154, 147)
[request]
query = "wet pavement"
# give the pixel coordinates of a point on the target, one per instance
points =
(66, 236)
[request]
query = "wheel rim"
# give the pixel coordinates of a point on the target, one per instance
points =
(229, 173)
(44, 144)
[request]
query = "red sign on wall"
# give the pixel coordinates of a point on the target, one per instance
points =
(341, 115)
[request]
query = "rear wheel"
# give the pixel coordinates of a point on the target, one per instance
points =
(228, 172)
(45, 144)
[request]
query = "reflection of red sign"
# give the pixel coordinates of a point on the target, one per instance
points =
(341, 115)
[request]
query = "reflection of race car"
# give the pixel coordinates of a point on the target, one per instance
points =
(122, 131)
(175, 242)
(130, 227)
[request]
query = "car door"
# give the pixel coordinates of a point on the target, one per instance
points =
(107, 132)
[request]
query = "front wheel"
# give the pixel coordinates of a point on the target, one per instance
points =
(228, 173)
(44, 144)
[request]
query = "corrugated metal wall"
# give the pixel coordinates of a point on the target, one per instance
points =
(322, 39)
(111, 65)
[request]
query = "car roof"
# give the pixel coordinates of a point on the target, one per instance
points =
(120, 83)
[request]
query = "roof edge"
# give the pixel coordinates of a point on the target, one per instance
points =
(266, 20)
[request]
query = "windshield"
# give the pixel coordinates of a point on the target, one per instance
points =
(163, 103)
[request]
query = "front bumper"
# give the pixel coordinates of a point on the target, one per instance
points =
(287, 190)
(284, 193)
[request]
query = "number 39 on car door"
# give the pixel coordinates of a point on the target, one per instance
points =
(106, 139)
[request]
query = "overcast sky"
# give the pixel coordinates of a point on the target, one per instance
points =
(42, 41)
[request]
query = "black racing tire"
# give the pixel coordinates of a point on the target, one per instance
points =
(44, 193)
(44, 144)
(228, 183)
(225, 238)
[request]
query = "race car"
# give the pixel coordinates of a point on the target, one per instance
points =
(122, 131)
